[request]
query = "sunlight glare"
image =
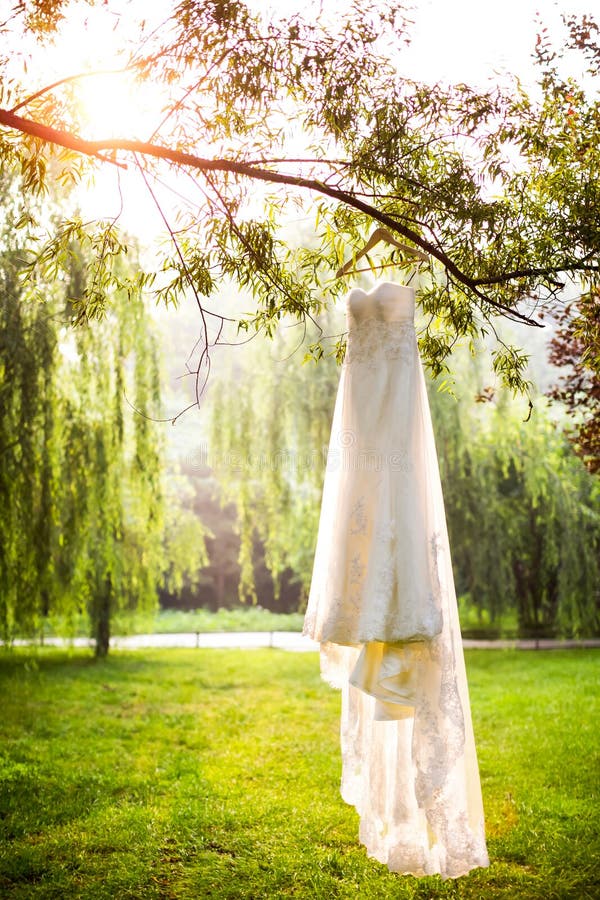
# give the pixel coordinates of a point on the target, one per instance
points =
(116, 106)
(111, 104)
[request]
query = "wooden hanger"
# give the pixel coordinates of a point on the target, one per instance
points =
(380, 234)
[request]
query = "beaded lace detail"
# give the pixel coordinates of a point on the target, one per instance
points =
(371, 340)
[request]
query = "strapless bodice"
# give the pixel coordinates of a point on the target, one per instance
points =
(387, 302)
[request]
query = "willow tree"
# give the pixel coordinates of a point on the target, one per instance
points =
(121, 499)
(499, 187)
(268, 449)
(28, 445)
(523, 513)
(82, 508)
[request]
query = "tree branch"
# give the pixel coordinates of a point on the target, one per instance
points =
(538, 273)
(70, 141)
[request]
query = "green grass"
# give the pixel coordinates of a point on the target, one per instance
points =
(177, 621)
(246, 618)
(214, 774)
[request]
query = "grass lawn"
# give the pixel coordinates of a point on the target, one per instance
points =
(214, 773)
(176, 621)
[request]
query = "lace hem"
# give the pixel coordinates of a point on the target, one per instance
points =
(408, 754)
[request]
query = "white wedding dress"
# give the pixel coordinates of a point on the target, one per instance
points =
(383, 606)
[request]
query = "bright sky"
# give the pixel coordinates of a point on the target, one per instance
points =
(466, 40)
(471, 40)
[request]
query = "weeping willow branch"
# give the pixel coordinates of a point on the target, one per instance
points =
(62, 138)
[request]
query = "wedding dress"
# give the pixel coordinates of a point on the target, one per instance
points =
(383, 606)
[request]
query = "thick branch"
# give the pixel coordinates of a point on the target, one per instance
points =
(581, 266)
(63, 138)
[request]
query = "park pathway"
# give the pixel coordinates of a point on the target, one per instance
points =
(282, 640)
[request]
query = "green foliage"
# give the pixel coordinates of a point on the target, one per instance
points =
(272, 439)
(523, 513)
(40, 16)
(500, 187)
(241, 618)
(82, 528)
(216, 774)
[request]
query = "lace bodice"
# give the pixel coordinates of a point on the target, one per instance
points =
(380, 325)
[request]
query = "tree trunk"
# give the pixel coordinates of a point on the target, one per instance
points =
(220, 587)
(102, 619)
